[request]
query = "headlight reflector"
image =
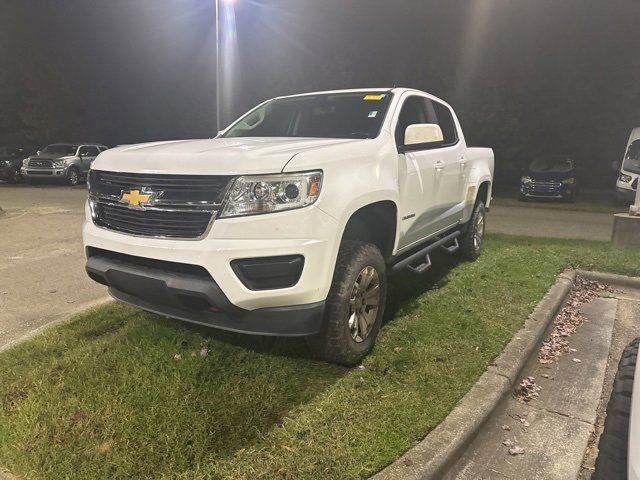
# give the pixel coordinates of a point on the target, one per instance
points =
(253, 195)
(624, 178)
(526, 180)
(569, 181)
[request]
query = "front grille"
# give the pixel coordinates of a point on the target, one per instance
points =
(37, 163)
(545, 188)
(180, 206)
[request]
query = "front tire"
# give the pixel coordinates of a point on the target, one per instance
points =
(354, 307)
(73, 176)
(473, 238)
(613, 447)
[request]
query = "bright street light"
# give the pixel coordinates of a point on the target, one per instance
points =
(227, 2)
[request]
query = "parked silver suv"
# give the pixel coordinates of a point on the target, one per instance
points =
(69, 162)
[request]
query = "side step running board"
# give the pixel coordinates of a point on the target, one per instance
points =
(422, 257)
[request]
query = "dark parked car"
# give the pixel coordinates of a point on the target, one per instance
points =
(11, 160)
(550, 176)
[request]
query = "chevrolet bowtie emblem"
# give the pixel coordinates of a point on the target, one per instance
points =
(134, 198)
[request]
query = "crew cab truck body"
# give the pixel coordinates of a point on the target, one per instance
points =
(289, 221)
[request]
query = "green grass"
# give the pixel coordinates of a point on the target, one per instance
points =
(103, 396)
(580, 205)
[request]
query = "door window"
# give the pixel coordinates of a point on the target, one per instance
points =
(447, 124)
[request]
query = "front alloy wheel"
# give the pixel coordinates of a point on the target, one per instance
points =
(73, 177)
(364, 304)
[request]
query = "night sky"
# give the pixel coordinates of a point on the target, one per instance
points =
(525, 76)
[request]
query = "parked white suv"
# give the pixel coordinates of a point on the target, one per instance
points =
(289, 221)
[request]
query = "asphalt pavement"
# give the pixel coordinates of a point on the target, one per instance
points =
(42, 277)
(547, 222)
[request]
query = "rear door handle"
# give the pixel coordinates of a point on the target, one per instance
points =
(439, 165)
(463, 162)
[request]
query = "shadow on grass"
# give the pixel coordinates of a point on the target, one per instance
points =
(404, 290)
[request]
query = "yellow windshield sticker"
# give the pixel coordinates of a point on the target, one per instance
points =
(374, 97)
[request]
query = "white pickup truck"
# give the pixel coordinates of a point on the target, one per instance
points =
(290, 220)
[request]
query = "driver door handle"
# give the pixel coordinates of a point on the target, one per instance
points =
(439, 165)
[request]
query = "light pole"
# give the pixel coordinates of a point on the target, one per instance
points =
(217, 66)
(218, 56)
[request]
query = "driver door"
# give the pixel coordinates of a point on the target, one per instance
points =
(418, 175)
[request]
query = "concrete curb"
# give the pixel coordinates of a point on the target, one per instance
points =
(443, 446)
(67, 317)
(611, 278)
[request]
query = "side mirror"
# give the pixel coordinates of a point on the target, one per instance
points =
(38, 152)
(422, 134)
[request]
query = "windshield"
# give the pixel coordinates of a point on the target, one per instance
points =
(60, 149)
(632, 158)
(340, 115)
(551, 165)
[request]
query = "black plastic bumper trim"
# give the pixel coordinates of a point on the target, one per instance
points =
(269, 273)
(188, 297)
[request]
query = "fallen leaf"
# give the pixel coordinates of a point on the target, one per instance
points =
(506, 427)
(577, 360)
(177, 357)
(516, 451)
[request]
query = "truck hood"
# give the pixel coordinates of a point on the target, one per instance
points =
(218, 156)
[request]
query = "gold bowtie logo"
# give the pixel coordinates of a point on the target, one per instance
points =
(134, 198)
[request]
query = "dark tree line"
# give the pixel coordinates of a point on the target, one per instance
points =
(525, 76)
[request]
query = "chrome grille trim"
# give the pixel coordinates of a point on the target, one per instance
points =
(185, 207)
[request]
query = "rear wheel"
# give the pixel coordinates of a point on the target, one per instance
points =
(355, 305)
(473, 238)
(611, 463)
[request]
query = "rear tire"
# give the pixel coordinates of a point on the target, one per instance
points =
(473, 238)
(354, 307)
(612, 460)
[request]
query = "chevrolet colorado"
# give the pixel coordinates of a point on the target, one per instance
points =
(290, 220)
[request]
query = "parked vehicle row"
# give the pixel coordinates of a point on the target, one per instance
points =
(63, 162)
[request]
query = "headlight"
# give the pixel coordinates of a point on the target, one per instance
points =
(60, 163)
(252, 195)
(25, 162)
(625, 178)
(568, 181)
(526, 179)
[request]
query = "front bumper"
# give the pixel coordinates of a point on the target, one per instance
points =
(294, 310)
(558, 191)
(198, 299)
(625, 195)
(55, 173)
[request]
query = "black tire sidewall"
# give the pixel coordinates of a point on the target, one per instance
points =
(335, 343)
